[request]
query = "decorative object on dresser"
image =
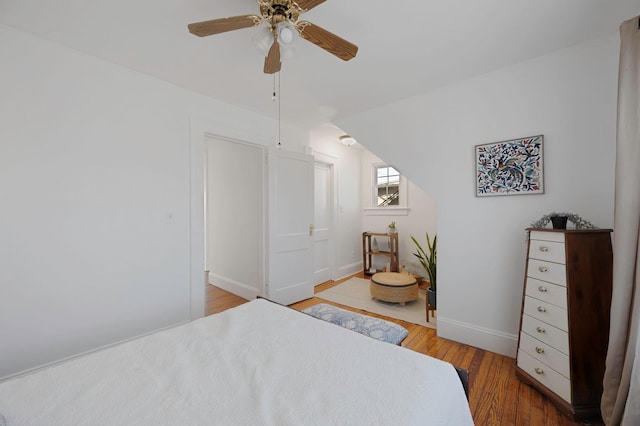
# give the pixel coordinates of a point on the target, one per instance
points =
(578, 222)
(512, 167)
(564, 323)
(369, 250)
(559, 222)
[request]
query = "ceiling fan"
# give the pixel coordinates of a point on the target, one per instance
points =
(282, 19)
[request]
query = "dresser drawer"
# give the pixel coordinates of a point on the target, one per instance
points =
(546, 333)
(547, 271)
(550, 293)
(551, 314)
(545, 354)
(547, 250)
(557, 237)
(544, 374)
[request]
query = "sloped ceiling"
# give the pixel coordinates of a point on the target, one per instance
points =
(405, 46)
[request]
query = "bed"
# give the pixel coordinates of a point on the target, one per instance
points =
(258, 363)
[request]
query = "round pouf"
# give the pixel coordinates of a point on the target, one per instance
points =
(394, 287)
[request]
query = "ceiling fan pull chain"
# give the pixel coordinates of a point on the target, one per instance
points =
(279, 97)
(275, 96)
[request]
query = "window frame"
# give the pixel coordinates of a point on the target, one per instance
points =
(402, 209)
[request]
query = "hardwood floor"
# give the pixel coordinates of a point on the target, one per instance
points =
(497, 397)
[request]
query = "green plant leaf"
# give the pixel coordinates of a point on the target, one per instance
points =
(428, 258)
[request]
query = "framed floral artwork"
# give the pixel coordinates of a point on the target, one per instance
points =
(512, 167)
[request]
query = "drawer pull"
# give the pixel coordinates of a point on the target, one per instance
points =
(543, 268)
(539, 350)
(539, 370)
(540, 330)
(542, 289)
(542, 309)
(544, 248)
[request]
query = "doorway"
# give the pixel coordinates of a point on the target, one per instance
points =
(234, 217)
(254, 247)
(323, 217)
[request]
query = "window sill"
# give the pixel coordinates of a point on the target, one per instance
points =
(386, 211)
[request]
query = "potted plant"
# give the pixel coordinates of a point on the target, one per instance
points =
(559, 221)
(428, 260)
(391, 229)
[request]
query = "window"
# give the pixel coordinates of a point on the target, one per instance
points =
(388, 186)
(388, 192)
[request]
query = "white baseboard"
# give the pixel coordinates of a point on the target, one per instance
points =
(480, 337)
(239, 289)
(348, 270)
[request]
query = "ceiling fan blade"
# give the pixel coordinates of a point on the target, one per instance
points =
(305, 5)
(217, 26)
(328, 41)
(272, 62)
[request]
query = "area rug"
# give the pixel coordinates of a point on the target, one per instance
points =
(377, 328)
(355, 293)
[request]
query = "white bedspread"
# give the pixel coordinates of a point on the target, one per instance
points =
(257, 364)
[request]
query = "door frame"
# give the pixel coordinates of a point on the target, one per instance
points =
(332, 162)
(199, 128)
(238, 288)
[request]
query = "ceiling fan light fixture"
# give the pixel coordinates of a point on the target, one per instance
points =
(263, 39)
(286, 32)
(347, 140)
(287, 51)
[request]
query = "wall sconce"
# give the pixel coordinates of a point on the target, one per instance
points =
(347, 140)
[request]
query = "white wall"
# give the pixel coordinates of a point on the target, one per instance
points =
(347, 164)
(96, 188)
(421, 217)
(570, 97)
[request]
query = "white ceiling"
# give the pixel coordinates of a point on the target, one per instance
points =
(405, 46)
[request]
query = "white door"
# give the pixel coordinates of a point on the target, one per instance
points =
(322, 223)
(290, 256)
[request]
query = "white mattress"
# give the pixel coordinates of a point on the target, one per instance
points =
(259, 363)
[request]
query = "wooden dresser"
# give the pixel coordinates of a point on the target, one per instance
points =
(564, 324)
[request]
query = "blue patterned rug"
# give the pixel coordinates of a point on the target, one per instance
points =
(376, 328)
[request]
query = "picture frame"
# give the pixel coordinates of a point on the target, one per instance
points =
(511, 167)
